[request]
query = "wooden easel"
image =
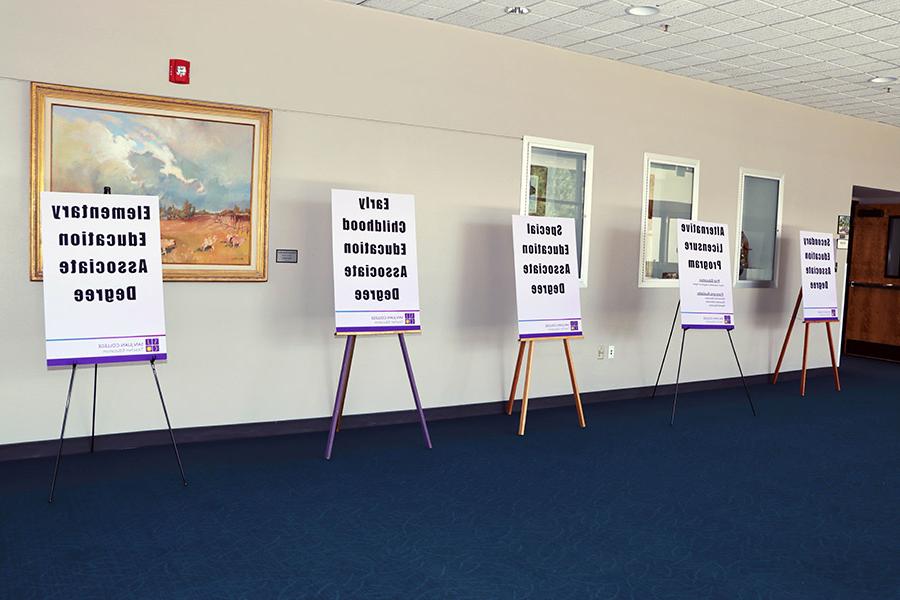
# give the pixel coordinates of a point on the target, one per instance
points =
(512, 393)
(337, 415)
(787, 337)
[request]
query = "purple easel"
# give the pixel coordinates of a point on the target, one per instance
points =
(336, 416)
(684, 329)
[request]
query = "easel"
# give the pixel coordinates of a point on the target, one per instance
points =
(337, 414)
(684, 330)
(107, 190)
(787, 337)
(512, 392)
(66, 415)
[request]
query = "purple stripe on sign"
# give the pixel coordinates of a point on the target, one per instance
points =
(525, 336)
(707, 326)
(534, 320)
(379, 328)
(821, 319)
(99, 360)
(111, 337)
(380, 310)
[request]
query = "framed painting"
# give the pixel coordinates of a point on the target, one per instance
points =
(207, 162)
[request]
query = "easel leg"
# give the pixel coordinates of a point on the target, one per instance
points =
(574, 383)
(168, 423)
(94, 413)
(741, 371)
(524, 410)
(342, 382)
(803, 373)
(787, 337)
(62, 435)
(834, 369)
(346, 381)
(515, 381)
(669, 341)
(415, 390)
(677, 378)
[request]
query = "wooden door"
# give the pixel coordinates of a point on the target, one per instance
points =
(872, 327)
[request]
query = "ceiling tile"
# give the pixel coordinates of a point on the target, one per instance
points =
(640, 47)
(678, 8)
(392, 5)
(800, 25)
(498, 26)
(581, 17)
(548, 8)
(730, 41)
(879, 7)
(428, 11)
(454, 4)
(762, 34)
(774, 16)
(614, 25)
(820, 53)
(892, 55)
(842, 15)
(826, 33)
(613, 54)
(616, 40)
(689, 71)
(812, 7)
(588, 47)
(464, 19)
(890, 34)
(868, 22)
(703, 33)
(641, 59)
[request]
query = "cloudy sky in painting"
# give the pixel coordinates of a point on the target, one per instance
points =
(206, 163)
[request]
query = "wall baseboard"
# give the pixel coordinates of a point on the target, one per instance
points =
(188, 435)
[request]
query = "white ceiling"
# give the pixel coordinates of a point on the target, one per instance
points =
(820, 53)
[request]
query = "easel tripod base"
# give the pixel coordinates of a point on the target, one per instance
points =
(62, 433)
(787, 337)
(338, 413)
(684, 330)
(512, 393)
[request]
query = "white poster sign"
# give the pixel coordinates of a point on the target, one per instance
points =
(817, 276)
(704, 275)
(376, 279)
(548, 295)
(103, 292)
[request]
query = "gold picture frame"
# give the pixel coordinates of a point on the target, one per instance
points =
(208, 162)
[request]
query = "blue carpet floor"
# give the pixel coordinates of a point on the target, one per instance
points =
(801, 502)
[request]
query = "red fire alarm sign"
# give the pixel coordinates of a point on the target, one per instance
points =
(179, 71)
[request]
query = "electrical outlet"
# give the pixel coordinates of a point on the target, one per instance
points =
(611, 352)
(601, 353)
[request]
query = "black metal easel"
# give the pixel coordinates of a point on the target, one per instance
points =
(108, 190)
(681, 355)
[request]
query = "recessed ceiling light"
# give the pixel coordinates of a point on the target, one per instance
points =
(883, 79)
(517, 10)
(642, 11)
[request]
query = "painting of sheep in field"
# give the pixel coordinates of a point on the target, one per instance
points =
(209, 173)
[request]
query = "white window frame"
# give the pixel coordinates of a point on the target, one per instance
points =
(677, 161)
(760, 174)
(528, 142)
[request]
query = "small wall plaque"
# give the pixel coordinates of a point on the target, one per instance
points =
(286, 255)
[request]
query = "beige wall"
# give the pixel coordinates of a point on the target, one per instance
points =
(372, 100)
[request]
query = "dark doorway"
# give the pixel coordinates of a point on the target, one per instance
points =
(872, 309)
